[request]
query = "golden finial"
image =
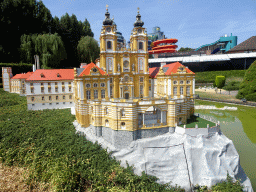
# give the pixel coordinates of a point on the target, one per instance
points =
(138, 10)
(106, 7)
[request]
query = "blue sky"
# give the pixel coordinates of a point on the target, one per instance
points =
(192, 22)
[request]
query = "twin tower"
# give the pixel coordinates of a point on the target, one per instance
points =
(127, 67)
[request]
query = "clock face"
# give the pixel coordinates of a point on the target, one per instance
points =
(94, 70)
(139, 30)
(108, 29)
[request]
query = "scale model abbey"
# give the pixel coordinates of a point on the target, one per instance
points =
(120, 98)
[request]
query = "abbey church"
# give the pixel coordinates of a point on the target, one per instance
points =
(121, 99)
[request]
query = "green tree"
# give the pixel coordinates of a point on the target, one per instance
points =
(220, 82)
(182, 49)
(20, 17)
(247, 88)
(49, 47)
(88, 50)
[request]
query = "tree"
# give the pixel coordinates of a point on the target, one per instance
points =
(49, 47)
(185, 49)
(88, 49)
(220, 82)
(20, 17)
(247, 88)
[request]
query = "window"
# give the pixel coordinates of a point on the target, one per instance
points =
(43, 104)
(95, 85)
(69, 89)
(31, 84)
(188, 82)
(56, 89)
(70, 102)
(109, 45)
(106, 111)
(50, 98)
(88, 85)
(49, 89)
(181, 82)
(33, 105)
(23, 91)
(111, 80)
(49, 84)
(188, 90)
(42, 89)
(69, 83)
(122, 112)
(126, 64)
(111, 92)
(175, 91)
(88, 94)
(64, 103)
(56, 83)
(32, 90)
(174, 82)
(62, 83)
(95, 94)
(106, 123)
(102, 93)
(102, 84)
(141, 79)
(57, 97)
(181, 90)
(149, 88)
(57, 103)
(50, 103)
(64, 97)
(63, 89)
(141, 89)
(32, 98)
(140, 46)
(23, 85)
(70, 96)
(42, 84)
(43, 98)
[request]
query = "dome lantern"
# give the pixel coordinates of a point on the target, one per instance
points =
(138, 22)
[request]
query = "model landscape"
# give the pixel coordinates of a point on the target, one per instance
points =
(139, 115)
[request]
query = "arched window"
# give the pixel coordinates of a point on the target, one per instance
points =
(106, 123)
(106, 111)
(140, 45)
(109, 45)
(122, 112)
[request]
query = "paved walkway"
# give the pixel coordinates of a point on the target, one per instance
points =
(223, 92)
(213, 107)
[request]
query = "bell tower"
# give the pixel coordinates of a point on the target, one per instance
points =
(139, 48)
(108, 45)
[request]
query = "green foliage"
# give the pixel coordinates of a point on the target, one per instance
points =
(47, 144)
(88, 50)
(182, 49)
(231, 86)
(247, 88)
(20, 17)
(209, 76)
(220, 81)
(17, 67)
(49, 47)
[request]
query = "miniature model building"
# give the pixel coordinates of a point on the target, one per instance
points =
(50, 89)
(6, 76)
(18, 83)
(122, 100)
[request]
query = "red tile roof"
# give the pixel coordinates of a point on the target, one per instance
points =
(17, 76)
(88, 68)
(26, 75)
(172, 68)
(52, 75)
(153, 71)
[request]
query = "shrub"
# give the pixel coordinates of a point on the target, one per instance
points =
(220, 81)
(247, 88)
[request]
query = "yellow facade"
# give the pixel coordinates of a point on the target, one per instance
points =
(127, 104)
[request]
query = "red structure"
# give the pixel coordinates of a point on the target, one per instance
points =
(164, 46)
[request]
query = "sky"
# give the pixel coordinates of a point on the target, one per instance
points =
(192, 22)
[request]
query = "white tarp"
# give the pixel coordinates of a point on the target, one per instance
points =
(207, 159)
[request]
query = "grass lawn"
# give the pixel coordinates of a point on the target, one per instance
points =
(202, 123)
(217, 96)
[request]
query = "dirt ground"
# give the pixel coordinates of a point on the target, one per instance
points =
(220, 91)
(13, 179)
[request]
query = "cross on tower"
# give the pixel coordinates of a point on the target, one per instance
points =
(107, 7)
(138, 10)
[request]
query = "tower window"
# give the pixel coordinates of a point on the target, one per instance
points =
(140, 45)
(109, 45)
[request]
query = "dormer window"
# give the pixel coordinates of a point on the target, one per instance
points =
(58, 75)
(42, 75)
(94, 70)
(109, 45)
